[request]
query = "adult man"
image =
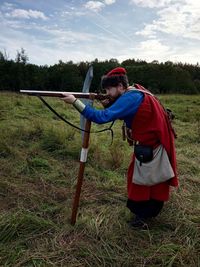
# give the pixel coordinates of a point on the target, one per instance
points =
(152, 169)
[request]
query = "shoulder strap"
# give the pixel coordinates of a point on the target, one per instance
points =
(138, 87)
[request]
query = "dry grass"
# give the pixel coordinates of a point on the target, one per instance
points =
(38, 169)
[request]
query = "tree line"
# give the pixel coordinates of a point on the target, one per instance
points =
(160, 78)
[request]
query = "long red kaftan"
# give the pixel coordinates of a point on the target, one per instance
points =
(150, 126)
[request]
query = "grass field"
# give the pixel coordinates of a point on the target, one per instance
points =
(39, 161)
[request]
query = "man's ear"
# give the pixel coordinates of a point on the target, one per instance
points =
(121, 87)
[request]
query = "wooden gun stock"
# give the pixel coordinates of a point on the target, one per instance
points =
(90, 96)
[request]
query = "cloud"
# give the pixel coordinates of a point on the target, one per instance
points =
(109, 2)
(73, 13)
(152, 3)
(7, 6)
(78, 30)
(180, 18)
(97, 5)
(149, 31)
(152, 48)
(94, 5)
(26, 14)
(63, 37)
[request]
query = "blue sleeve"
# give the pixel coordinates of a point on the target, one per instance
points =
(125, 106)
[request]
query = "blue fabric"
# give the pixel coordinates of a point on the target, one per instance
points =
(124, 108)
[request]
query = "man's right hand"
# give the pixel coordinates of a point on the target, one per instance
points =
(105, 103)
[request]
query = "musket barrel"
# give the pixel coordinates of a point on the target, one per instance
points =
(62, 94)
(54, 93)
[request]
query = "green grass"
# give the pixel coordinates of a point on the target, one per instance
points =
(39, 161)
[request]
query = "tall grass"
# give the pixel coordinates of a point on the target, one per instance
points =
(39, 160)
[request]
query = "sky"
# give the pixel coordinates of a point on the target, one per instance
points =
(69, 30)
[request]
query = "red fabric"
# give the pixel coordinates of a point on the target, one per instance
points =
(151, 126)
(116, 72)
(138, 86)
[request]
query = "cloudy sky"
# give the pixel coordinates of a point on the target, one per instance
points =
(79, 30)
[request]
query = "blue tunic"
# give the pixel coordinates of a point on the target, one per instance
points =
(124, 108)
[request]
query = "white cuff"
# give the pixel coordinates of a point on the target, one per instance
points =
(79, 105)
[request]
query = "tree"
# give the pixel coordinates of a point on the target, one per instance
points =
(3, 56)
(21, 57)
(165, 77)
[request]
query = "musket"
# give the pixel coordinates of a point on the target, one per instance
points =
(87, 125)
(61, 94)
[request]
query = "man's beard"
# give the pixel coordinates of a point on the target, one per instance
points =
(112, 101)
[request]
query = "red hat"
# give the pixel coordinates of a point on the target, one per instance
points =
(116, 72)
(114, 77)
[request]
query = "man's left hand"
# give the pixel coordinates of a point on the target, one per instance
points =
(68, 98)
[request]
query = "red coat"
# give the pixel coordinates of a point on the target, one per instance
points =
(151, 126)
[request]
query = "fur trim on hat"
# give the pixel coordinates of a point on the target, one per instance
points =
(114, 77)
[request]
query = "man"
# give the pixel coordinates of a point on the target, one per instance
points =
(152, 169)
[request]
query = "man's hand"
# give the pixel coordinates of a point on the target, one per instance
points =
(68, 98)
(105, 103)
(71, 99)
